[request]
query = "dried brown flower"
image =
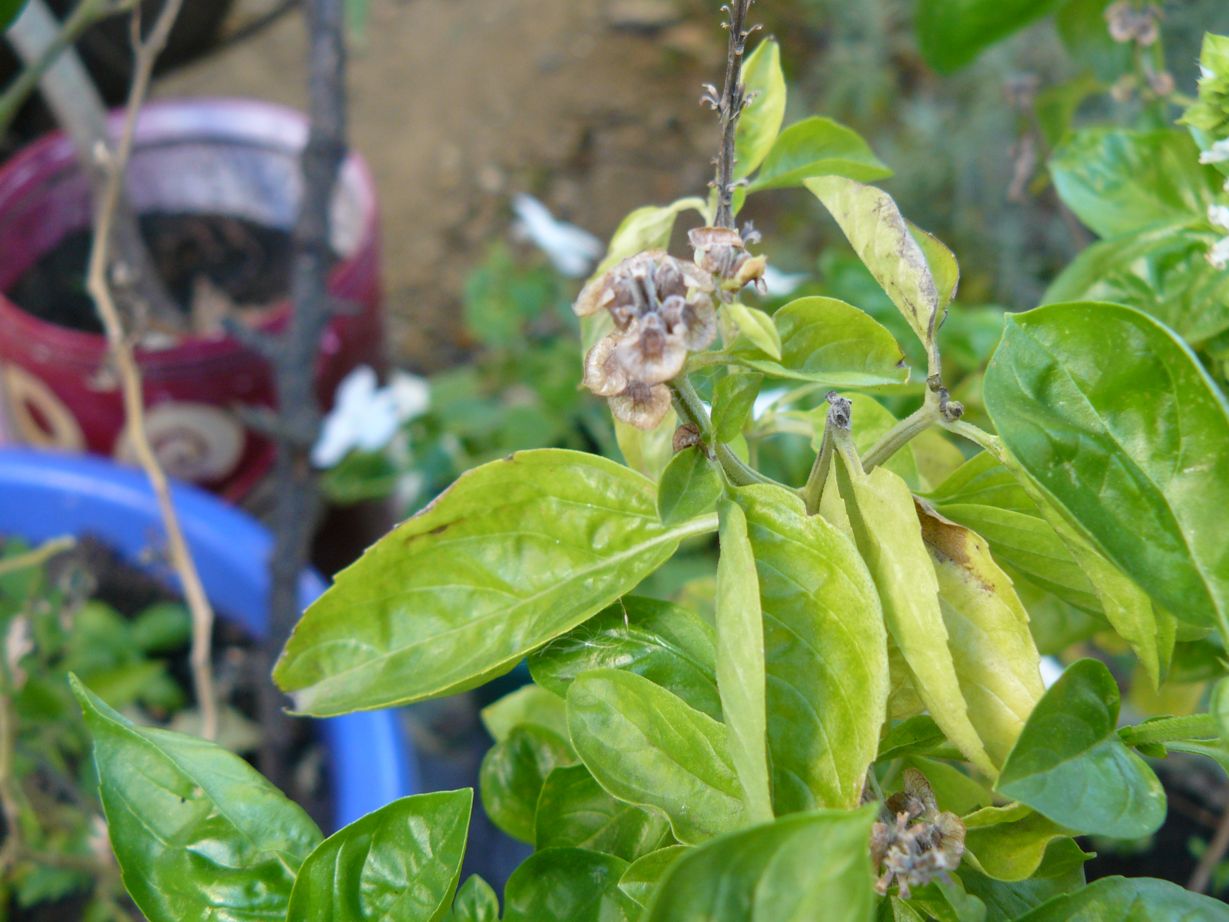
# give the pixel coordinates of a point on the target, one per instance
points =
(723, 252)
(914, 842)
(662, 308)
(1128, 24)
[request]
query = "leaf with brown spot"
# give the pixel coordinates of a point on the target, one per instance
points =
(996, 659)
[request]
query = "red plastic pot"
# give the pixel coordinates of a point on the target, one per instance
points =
(233, 157)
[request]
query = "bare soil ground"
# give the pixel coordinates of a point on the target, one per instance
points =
(457, 104)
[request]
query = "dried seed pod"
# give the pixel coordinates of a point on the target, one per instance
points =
(723, 252)
(604, 375)
(642, 405)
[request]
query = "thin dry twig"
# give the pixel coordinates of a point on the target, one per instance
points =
(98, 284)
(729, 106)
(1212, 857)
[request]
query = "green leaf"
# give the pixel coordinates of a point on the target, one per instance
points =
(668, 645)
(400, 862)
(757, 326)
(884, 241)
(832, 343)
(917, 735)
(799, 867)
(1070, 765)
(647, 451)
(995, 656)
(475, 902)
(825, 648)
(512, 774)
(942, 263)
(1009, 843)
(761, 119)
(955, 791)
(889, 538)
(1061, 871)
(1120, 182)
(647, 747)
(733, 399)
(574, 811)
(952, 33)
(568, 885)
(1115, 420)
(198, 833)
(9, 10)
(529, 704)
(740, 661)
(644, 874)
(647, 228)
(514, 554)
(1163, 272)
(1129, 898)
(1219, 707)
(818, 147)
(690, 486)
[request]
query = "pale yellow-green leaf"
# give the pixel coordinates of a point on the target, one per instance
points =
(757, 326)
(885, 527)
(761, 120)
(996, 658)
(1008, 843)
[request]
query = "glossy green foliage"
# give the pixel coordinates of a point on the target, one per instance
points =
(646, 228)
(644, 875)
(1070, 765)
(757, 327)
(199, 834)
(733, 399)
(400, 862)
(1114, 419)
(476, 902)
(1009, 843)
(761, 120)
(529, 704)
(1119, 182)
(825, 651)
(740, 661)
(568, 885)
(952, 33)
(893, 253)
(828, 342)
(1130, 898)
(516, 553)
(818, 147)
(574, 811)
(689, 487)
(513, 772)
(889, 538)
(668, 645)
(646, 746)
(1164, 272)
(799, 867)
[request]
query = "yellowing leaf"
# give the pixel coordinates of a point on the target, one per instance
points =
(995, 655)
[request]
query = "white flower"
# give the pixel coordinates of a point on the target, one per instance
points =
(571, 249)
(1218, 256)
(1218, 216)
(782, 284)
(1217, 153)
(366, 417)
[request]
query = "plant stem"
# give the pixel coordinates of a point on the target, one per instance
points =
(730, 107)
(838, 419)
(78, 108)
(297, 504)
(976, 435)
(1212, 857)
(84, 15)
(99, 286)
(690, 409)
(36, 557)
(902, 433)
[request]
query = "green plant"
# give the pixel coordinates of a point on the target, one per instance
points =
(55, 852)
(860, 729)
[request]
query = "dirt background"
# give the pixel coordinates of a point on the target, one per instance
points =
(591, 105)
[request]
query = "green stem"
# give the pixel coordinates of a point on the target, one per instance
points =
(902, 433)
(84, 15)
(690, 408)
(976, 435)
(36, 557)
(836, 423)
(1171, 729)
